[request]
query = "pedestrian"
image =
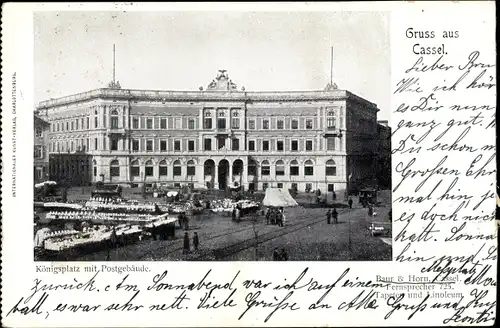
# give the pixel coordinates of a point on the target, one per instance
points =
(186, 243)
(350, 202)
(334, 195)
(276, 255)
(284, 255)
(370, 210)
(335, 216)
(328, 217)
(279, 219)
(268, 215)
(234, 213)
(196, 241)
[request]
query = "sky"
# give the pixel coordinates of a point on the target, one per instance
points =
(262, 51)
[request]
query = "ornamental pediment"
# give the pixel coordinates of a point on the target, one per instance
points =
(222, 82)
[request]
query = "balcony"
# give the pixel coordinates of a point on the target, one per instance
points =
(115, 131)
(332, 132)
(223, 132)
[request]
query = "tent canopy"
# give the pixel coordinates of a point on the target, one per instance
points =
(278, 198)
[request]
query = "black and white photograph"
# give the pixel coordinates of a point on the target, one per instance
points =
(212, 136)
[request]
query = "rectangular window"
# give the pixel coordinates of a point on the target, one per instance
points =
(280, 124)
(72, 125)
(88, 123)
(163, 170)
(177, 171)
(251, 145)
(309, 124)
(309, 145)
(38, 131)
(104, 144)
(38, 153)
(265, 145)
(149, 145)
(96, 122)
(295, 124)
(309, 187)
(330, 187)
(191, 124)
(265, 124)
(294, 186)
(134, 171)
(308, 170)
(221, 123)
(163, 123)
(191, 145)
(114, 144)
(191, 170)
(251, 124)
(331, 171)
(178, 123)
(95, 144)
(330, 143)
(135, 123)
(235, 123)
(294, 170)
(114, 171)
(76, 124)
(265, 170)
(207, 123)
(280, 170)
(221, 142)
(280, 185)
(148, 171)
(177, 145)
(207, 144)
(265, 185)
(295, 145)
(236, 144)
(163, 145)
(149, 123)
(67, 126)
(279, 145)
(135, 145)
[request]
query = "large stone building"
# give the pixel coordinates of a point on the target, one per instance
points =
(219, 137)
(40, 153)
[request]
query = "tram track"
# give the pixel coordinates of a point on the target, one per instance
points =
(223, 252)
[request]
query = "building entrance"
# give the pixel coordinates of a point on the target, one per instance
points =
(223, 174)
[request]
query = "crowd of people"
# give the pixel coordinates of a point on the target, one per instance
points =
(88, 215)
(275, 216)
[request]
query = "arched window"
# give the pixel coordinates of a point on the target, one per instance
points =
(177, 168)
(308, 168)
(252, 167)
(94, 165)
(331, 118)
(163, 168)
(330, 168)
(148, 170)
(265, 169)
(134, 168)
(280, 168)
(114, 168)
(207, 122)
(114, 119)
(191, 168)
(294, 168)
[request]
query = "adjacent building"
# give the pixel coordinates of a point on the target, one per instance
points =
(384, 155)
(40, 153)
(217, 137)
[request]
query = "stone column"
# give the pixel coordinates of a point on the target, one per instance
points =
(230, 175)
(244, 174)
(216, 176)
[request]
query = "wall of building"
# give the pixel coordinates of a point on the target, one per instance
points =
(40, 150)
(149, 131)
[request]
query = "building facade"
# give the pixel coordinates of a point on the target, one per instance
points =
(219, 137)
(384, 166)
(40, 151)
